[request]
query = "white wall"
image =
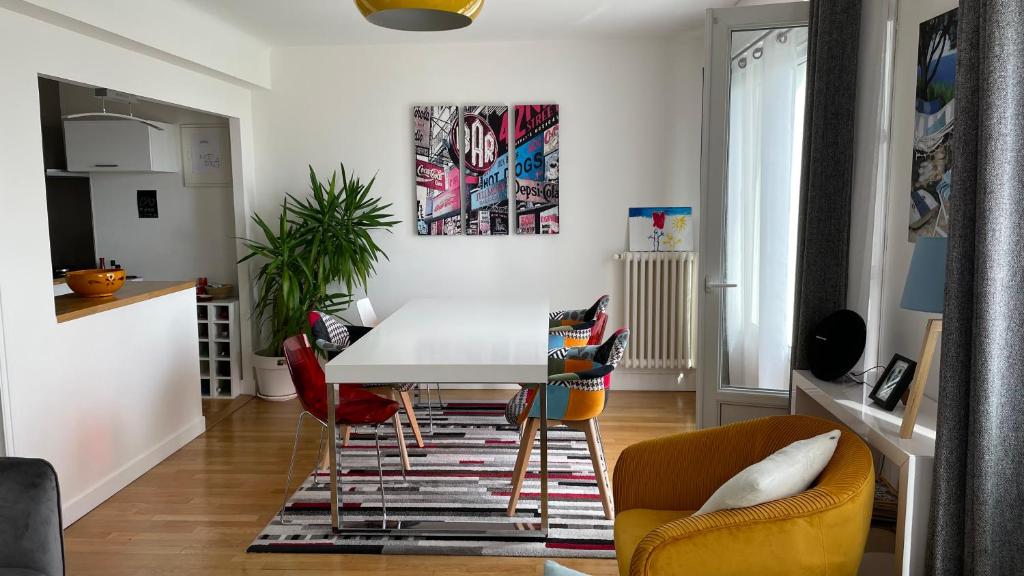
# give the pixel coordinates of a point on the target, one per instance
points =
(191, 238)
(73, 390)
(630, 136)
(902, 330)
(169, 29)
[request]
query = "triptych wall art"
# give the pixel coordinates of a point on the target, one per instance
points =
(486, 190)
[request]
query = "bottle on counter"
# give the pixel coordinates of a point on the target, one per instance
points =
(103, 263)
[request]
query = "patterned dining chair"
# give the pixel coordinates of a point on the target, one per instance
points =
(578, 381)
(355, 407)
(571, 336)
(332, 336)
(596, 316)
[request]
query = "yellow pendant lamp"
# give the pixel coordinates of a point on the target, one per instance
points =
(420, 15)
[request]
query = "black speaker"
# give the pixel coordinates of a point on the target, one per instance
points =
(836, 344)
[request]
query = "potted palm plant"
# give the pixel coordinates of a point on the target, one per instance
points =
(320, 251)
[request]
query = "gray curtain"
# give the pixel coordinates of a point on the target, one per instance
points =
(826, 182)
(977, 524)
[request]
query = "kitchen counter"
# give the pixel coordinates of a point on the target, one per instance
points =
(73, 306)
(131, 362)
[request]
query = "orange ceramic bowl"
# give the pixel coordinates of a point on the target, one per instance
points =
(96, 283)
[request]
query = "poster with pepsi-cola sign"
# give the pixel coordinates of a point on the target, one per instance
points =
(485, 169)
(438, 192)
(536, 181)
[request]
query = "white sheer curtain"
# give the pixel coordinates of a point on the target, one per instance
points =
(765, 136)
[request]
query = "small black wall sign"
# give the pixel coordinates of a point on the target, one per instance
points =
(147, 204)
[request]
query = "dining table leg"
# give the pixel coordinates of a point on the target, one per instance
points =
(333, 437)
(544, 458)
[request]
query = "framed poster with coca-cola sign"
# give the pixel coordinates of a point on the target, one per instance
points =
(485, 169)
(536, 182)
(438, 193)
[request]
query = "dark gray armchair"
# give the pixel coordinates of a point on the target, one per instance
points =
(31, 535)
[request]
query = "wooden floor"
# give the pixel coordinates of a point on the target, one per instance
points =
(215, 410)
(197, 511)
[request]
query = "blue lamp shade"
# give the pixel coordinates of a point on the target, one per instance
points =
(926, 282)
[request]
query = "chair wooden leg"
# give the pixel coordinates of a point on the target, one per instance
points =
(411, 415)
(325, 455)
(600, 471)
(400, 438)
(522, 462)
(325, 459)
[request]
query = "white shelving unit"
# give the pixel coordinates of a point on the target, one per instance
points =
(220, 366)
(913, 457)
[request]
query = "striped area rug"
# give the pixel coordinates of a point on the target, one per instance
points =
(463, 474)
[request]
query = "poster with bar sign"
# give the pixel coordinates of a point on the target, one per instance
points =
(438, 192)
(485, 169)
(536, 168)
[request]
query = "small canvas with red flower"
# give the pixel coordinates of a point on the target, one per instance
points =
(666, 229)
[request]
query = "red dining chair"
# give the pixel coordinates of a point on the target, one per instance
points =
(355, 407)
(332, 337)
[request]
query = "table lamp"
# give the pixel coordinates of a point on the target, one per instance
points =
(924, 291)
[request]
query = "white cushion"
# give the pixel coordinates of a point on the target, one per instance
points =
(785, 473)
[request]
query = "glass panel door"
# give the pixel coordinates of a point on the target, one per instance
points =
(768, 70)
(753, 140)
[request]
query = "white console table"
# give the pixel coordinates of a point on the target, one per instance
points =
(848, 403)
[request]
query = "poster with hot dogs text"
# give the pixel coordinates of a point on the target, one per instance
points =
(536, 168)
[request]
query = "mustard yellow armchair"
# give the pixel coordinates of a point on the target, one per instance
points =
(659, 483)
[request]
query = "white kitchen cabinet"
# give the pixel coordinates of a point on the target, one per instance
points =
(121, 146)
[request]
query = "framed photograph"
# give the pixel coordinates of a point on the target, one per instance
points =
(206, 155)
(893, 382)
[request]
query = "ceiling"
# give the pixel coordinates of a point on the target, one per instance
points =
(337, 22)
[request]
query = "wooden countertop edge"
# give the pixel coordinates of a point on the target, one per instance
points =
(112, 302)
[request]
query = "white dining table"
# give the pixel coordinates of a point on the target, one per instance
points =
(454, 341)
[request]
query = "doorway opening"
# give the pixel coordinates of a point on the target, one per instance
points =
(146, 186)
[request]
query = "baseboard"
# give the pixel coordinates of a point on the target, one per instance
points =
(82, 504)
(654, 381)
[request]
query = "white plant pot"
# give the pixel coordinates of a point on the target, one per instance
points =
(273, 381)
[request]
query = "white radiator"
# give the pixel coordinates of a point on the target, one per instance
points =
(660, 310)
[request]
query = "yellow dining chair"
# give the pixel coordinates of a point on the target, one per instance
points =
(658, 484)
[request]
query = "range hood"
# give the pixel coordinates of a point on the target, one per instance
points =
(105, 94)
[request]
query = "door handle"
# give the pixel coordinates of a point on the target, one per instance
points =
(708, 284)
